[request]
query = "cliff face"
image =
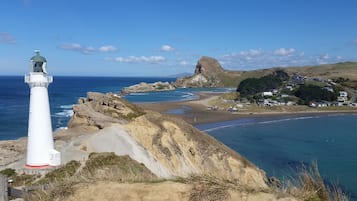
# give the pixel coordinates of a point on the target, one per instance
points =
(208, 73)
(166, 145)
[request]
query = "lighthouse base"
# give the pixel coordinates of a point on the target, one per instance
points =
(36, 166)
(54, 160)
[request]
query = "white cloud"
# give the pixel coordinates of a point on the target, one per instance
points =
(7, 38)
(140, 59)
(251, 52)
(325, 56)
(284, 51)
(167, 48)
(183, 63)
(77, 47)
(323, 59)
(108, 48)
(258, 58)
(86, 49)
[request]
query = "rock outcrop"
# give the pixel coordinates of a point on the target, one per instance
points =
(166, 145)
(101, 110)
(208, 73)
(148, 87)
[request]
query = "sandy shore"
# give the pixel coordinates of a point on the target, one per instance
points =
(196, 111)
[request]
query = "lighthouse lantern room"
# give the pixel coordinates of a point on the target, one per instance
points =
(40, 145)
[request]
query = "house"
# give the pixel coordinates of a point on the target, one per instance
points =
(343, 94)
(285, 95)
(343, 98)
(267, 93)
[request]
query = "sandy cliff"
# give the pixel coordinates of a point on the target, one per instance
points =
(166, 145)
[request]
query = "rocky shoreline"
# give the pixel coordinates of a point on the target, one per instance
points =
(148, 87)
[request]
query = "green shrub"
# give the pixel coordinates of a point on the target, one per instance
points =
(61, 173)
(9, 172)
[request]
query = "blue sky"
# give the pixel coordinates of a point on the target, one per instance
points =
(166, 37)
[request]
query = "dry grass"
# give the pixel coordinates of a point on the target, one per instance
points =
(309, 186)
(61, 183)
(345, 70)
(108, 166)
(208, 189)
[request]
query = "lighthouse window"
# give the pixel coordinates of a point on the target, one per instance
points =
(38, 66)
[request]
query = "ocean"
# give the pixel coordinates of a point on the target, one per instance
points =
(278, 145)
(64, 92)
(282, 145)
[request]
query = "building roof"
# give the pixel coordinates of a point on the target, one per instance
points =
(38, 57)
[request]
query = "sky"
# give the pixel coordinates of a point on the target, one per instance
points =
(168, 37)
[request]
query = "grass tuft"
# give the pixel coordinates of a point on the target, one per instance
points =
(309, 186)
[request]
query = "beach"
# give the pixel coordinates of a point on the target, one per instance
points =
(199, 111)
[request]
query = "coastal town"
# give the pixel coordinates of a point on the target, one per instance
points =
(285, 94)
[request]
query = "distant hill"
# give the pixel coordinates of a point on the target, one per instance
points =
(327, 71)
(209, 73)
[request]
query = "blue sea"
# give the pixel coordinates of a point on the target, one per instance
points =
(282, 145)
(64, 92)
(278, 145)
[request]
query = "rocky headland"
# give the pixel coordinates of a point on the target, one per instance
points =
(209, 73)
(168, 146)
(155, 147)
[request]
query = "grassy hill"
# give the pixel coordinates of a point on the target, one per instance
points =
(216, 76)
(345, 70)
(328, 71)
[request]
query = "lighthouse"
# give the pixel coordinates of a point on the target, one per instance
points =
(40, 145)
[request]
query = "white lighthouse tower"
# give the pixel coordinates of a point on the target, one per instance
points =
(40, 145)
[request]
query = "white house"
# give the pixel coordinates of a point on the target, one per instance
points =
(267, 93)
(342, 99)
(343, 94)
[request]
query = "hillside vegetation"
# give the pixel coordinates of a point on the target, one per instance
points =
(209, 73)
